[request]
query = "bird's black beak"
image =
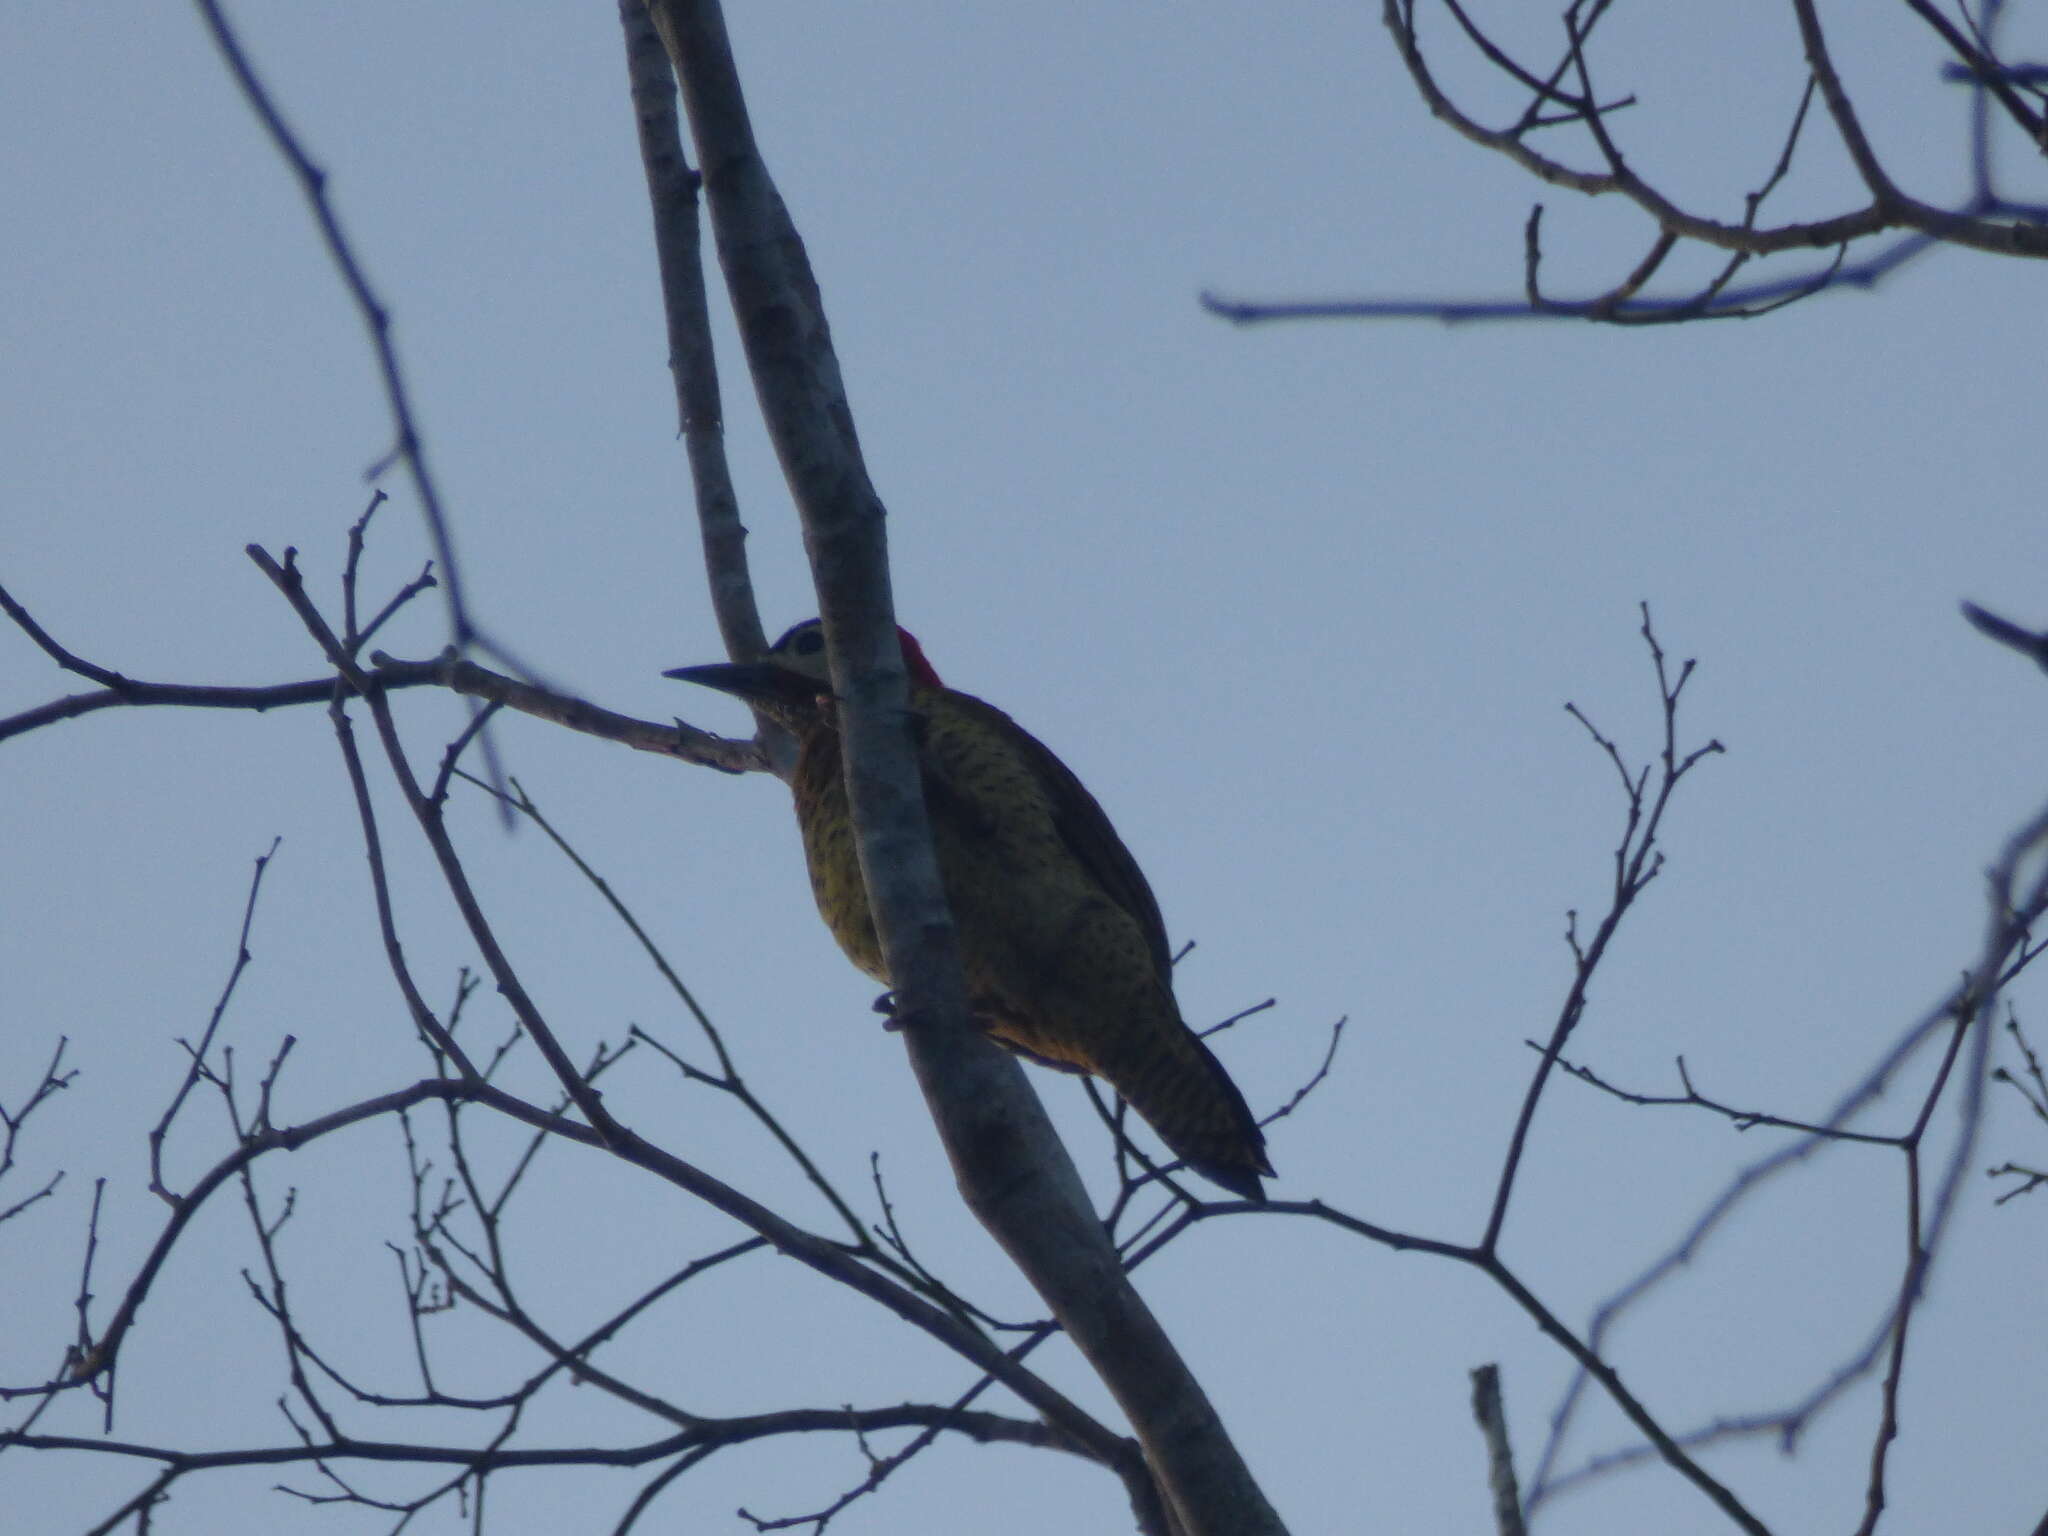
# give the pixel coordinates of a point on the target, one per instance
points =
(756, 682)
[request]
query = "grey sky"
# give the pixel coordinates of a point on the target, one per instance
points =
(1302, 606)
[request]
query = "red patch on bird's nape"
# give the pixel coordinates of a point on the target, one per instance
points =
(922, 674)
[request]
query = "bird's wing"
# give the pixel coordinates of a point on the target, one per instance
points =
(1085, 830)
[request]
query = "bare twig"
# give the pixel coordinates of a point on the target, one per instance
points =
(54, 1080)
(1637, 861)
(198, 1053)
(1986, 221)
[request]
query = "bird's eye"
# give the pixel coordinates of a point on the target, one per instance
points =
(810, 642)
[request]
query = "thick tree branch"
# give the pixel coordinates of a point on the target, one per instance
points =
(1009, 1163)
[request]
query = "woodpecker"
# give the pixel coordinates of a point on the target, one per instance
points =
(1064, 951)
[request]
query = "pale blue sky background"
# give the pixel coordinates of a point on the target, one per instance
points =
(1301, 604)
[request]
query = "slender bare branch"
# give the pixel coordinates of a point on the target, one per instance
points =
(1986, 221)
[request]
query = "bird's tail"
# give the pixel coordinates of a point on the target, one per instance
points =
(1186, 1096)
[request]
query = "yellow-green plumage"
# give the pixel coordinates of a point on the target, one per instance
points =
(1065, 955)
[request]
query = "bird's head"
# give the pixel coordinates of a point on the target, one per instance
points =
(787, 683)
